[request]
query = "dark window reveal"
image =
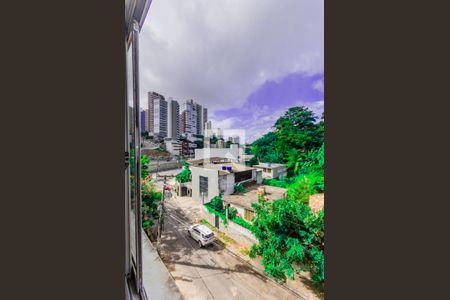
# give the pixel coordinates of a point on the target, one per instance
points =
(204, 185)
(242, 176)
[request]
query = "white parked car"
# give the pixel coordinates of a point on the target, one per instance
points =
(202, 234)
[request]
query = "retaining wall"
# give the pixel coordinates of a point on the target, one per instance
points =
(232, 228)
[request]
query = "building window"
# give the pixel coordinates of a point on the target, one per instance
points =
(204, 186)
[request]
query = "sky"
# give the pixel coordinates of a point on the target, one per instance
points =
(247, 61)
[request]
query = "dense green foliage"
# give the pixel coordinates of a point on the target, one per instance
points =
(290, 235)
(283, 182)
(238, 220)
(265, 149)
(232, 212)
(185, 174)
(253, 161)
(144, 166)
(150, 200)
(149, 196)
(296, 132)
(215, 206)
(239, 188)
(290, 238)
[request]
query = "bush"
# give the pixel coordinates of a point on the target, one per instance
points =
(291, 237)
(283, 182)
(301, 189)
(239, 188)
(150, 199)
(185, 174)
(217, 204)
(232, 212)
(211, 210)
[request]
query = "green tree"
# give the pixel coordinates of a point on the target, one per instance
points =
(297, 129)
(253, 161)
(265, 149)
(185, 174)
(239, 188)
(296, 132)
(248, 149)
(150, 200)
(144, 166)
(290, 238)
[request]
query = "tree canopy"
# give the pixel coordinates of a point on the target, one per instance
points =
(290, 235)
(296, 132)
(291, 238)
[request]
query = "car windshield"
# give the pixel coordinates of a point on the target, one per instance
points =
(208, 235)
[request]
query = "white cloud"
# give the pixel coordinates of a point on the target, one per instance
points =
(318, 85)
(218, 52)
(259, 122)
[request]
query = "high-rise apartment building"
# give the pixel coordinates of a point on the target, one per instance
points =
(189, 118)
(199, 118)
(208, 129)
(143, 120)
(202, 118)
(205, 118)
(157, 114)
(193, 118)
(173, 120)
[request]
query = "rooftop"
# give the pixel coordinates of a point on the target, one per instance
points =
(217, 163)
(211, 160)
(245, 200)
(234, 167)
(268, 165)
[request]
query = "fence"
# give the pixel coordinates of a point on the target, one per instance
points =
(231, 228)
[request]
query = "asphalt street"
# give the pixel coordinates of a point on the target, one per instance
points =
(210, 272)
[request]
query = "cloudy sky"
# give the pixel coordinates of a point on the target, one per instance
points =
(247, 61)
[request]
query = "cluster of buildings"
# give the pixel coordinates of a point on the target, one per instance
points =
(177, 125)
(168, 119)
(216, 176)
(186, 130)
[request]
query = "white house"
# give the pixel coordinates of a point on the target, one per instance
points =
(218, 176)
(272, 170)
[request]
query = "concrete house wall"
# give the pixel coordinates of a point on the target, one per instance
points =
(213, 183)
(279, 172)
(226, 184)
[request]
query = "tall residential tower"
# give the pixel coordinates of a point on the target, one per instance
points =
(173, 120)
(189, 118)
(157, 114)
